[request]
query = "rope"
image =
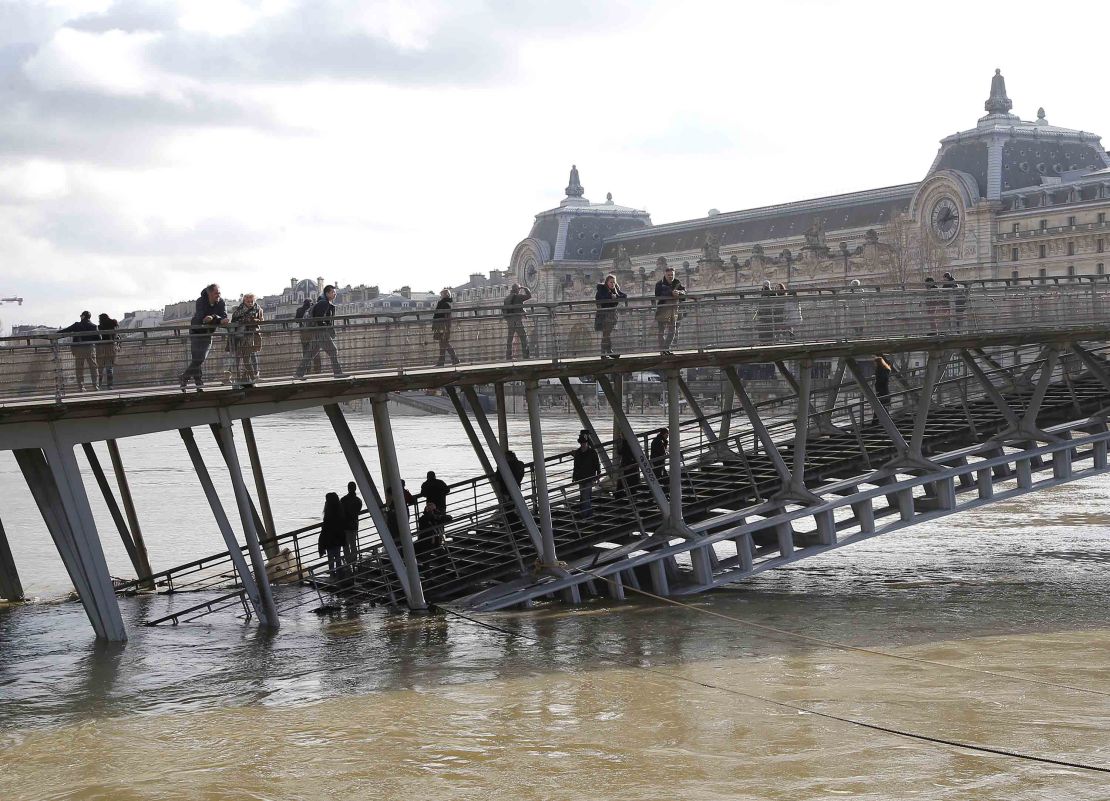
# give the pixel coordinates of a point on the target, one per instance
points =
(926, 738)
(845, 647)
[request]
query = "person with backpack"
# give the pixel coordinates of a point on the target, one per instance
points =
(513, 309)
(323, 330)
(304, 314)
(106, 350)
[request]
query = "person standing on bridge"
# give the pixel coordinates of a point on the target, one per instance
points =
(210, 313)
(441, 327)
(352, 505)
(436, 491)
(669, 291)
(607, 296)
(513, 309)
(332, 536)
(245, 339)
(587, 470)
(323, 333)
(934, 306)
(304, 314)
(106, 350)
(83, 348)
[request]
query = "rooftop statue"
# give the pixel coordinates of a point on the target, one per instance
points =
(998, 102)
(574, 188)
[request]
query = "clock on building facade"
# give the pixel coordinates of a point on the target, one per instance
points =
(944, 220)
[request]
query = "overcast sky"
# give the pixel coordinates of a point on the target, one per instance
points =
(148, 148)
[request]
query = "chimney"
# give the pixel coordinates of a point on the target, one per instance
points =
(292, 283)
(320, 285)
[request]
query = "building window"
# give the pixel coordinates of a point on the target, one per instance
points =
(1013, 254)
(1102, 216)
(1100, 246)
(1071, 220)
(1014, 275)
(1071, 248)
(1071, 271)
(1101, 269)
(1041, 252)
(1044, 224)
(1043, 273)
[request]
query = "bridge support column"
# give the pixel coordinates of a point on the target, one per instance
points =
(539, 472)
(11, 589)
(235, 552)
(56, 485)
(626, 432)
(129, 507)
(701, 558)
(1024, 429)
(761, 432)
(510, 486)
(142, 571)
(391, 474)
(269, 544)
(247, 518)
(865, 515)
(824, 421)
(221, 443)
(718, 448)
(370, 495)
(502, 415)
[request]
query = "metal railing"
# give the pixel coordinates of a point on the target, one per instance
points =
(44, 366)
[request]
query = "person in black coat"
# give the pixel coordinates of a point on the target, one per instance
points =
(660, 446)
(304, 314)
(436, 491)
(441, 328)
(352, 505)
(629, 467)
(106, 350)
(605, 320)
(669, 290)
(209, 314)
(83, 348)
(323, 335)
(332, 535)
(587, 470)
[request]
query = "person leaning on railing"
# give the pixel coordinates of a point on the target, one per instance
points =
(83, 348)
(605, 320)
(210, 313)
(245, 340)
(513, 309)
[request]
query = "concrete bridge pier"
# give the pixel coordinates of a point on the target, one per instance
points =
(54, 478)
(11, 589)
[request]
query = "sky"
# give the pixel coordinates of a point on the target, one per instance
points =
(150, 148)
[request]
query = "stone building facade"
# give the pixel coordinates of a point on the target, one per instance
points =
(1008, 198)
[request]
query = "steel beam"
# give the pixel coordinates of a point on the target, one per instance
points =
(509, 485)
(247, 518)
(235, 551)
(539, 472)
(369, 492)
(11, 588)
(256, 518)
(1017, 429)
(114, 510)
(391, 474)
(628, 434)
(587, 424)
(129, 510)
(758, 427)
(270, 542)
(502, 415)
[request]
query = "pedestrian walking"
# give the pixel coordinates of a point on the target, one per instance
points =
(352, 505)
(83, 348)
(435, 490)
(587, 470)
(629, 467)
(106, 350)
(668, 291)
(513, 309)
(332, 536)
(306, 334)
(323, 332)
(245, 339)
(658, 452)
(958, 295)
(605, 320)
(209, 314)
(441, 327)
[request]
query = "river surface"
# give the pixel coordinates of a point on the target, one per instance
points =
(634, 700)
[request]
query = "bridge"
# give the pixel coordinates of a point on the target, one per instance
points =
(1002, 390)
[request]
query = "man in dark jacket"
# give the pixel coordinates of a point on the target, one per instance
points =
(669, 290)
(352, 505)
(513, 309)
(436, 491)
(660, 446)
(587, 469)
(83, 348)
(323, 335)
(210, 313)
(306, 332)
